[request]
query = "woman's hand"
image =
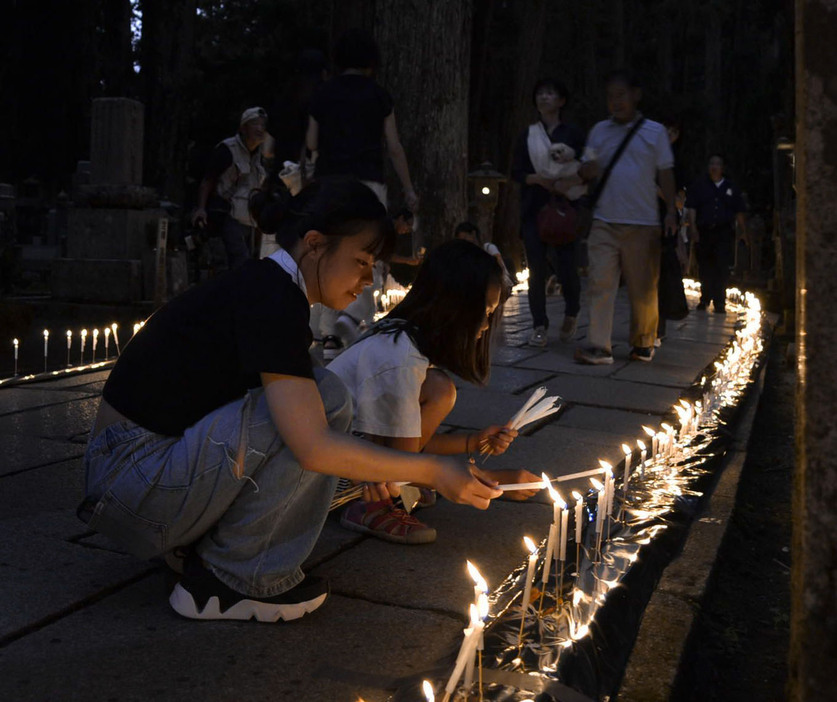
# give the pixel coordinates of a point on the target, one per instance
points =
(509, 477)
(493, 440)
(465, 484)
(377, 492)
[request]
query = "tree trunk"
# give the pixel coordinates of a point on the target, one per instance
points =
(167, 45)
(425, 56)
(530, 48)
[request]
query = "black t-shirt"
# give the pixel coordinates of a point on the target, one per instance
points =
(208, 346)
(534, 197)
(714, 205)
(350, 111)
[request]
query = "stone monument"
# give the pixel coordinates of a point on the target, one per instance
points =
(112, 228)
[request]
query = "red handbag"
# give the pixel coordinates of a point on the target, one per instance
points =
(557, 221)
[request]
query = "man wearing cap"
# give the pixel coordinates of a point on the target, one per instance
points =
(236, 168)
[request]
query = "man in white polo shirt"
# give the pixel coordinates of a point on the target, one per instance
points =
(625, 237)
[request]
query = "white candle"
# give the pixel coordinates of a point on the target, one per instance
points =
(579, 515)
(15, 343)
(69, 346)
(107, 340)
(651, 435)
(556, 498)
(467, 649)
(83, 340)
(626, 477)
(95, 343)
(641, 445)
(113, 328)
(550, 549)
(565, 517)
(530, 573)
(600, 504)
(46, 347)
(482, 613)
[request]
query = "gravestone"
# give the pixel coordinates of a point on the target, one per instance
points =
(112, 227)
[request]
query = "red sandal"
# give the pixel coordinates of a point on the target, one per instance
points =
(387, 522)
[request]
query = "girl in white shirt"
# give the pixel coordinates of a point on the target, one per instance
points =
(396, 374)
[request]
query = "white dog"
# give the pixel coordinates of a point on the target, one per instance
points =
(563, 164)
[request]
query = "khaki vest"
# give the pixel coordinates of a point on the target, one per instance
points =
(244, 175)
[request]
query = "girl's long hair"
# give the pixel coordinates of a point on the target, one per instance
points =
(445, 309)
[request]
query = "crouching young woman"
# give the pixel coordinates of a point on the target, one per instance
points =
(216, 432)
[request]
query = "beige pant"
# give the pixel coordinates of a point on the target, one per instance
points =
(634, 251)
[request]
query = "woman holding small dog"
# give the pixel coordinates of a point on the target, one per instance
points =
(545, 158)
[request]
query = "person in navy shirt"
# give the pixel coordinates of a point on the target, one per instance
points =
(714, 205)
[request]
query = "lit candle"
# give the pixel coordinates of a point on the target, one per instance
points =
(653, 436)
(556, 498)
(608, 486)
(113, 328)
(427, 689)
(626, 477)
(95, 342)
(579, 515)
(467, 649)
(480, 586)
(136, 327)
(479, 645)
(600, 504)
(565, 517)
(107, 339)
(69, 346)
(83, 340)
(46, 347)
(530, 573)
(547, 559)
(641, 445)
(15, 343)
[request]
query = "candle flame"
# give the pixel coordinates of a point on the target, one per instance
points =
(84, 332)
(479, 581)
(95, 333)
(578, 498)
(578, 595)
(426, 687)
(640, 444)
(627, 450)
(69, 334)
(46, 333)
(530, 544)
(580, 633)
(15, 342)
(596, 484)
(686, 404)
(605, 465)
(649, 431)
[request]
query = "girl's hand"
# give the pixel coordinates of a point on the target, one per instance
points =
(465, 484)
(494, 440)
(508, 477)
(377, 492)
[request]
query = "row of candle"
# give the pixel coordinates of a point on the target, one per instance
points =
(668, 445)
(106, 334)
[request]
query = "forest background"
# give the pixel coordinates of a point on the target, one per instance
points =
(460, 71)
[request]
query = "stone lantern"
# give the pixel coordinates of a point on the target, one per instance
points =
(485, 191)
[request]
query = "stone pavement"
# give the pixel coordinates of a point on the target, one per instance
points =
(80, 620)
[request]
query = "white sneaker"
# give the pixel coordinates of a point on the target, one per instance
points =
(538, 337)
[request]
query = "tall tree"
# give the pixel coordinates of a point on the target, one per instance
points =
(426, 50)
(166, 54)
